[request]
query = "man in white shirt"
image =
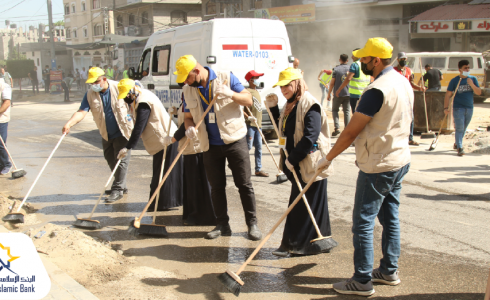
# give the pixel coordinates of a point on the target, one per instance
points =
(6, 94)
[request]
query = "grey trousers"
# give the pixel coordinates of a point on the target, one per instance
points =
(111, 150)
(345, 102)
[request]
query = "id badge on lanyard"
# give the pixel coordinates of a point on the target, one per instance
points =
(212, 117)
(282, 140)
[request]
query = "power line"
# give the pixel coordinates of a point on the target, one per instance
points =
(22, 1)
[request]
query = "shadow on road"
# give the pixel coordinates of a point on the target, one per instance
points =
(449, 197)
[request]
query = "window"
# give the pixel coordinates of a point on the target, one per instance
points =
(144, 65)
(479, 63)
(453, 62)
(161, 59)
(75, 33)
(211, 8)
(83, 6)
(73, 8)
(178, 17)
(119, 21)
(131, 19)
(67, 9)
(435, 62)
(98, 30)
(95, 4)
(85, 32)
(38, 62)
(68, 35)
(255, 4)
(144, 18)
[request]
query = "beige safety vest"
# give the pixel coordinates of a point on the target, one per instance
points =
(382, 145)
(307, 166)
(229, 114)
(194, 146)
(5, 116)
(157, 126)
(119, 107)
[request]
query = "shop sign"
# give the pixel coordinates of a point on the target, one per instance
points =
(482, 25)
(433, 27)
(452, 26)
(288, 14)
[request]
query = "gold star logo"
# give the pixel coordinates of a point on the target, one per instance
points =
(12, 258)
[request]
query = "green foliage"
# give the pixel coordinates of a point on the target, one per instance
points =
(20, 68)
(59, 23)
(15, 55)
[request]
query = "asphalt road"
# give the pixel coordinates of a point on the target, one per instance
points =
(444, 217)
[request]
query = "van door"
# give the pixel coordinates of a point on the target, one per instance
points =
(270, 58)
(161, 73)
(236, 55)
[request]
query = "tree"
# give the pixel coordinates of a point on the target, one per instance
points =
(60, 23)
(15, 55)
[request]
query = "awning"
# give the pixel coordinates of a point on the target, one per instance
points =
(87, 46)
(112, 39)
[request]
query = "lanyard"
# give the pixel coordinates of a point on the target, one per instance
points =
(284, 125)
(209, 92)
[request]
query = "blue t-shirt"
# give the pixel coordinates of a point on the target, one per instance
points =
(110, 119)
(354, 68)
(464, 96)
(212, 128)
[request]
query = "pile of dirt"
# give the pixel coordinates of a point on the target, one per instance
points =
(6, 205)
(477, 142)
(87, 260)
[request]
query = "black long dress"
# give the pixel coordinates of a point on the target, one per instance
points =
(299, 229)
(198, 205)
(171, 193)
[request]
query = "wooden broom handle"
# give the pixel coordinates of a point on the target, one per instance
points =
(303, 191)
(105, 186)
(263, 137)
(449, 106)
(487, 292)
(296, 179)
(423, 93)
(176, 159)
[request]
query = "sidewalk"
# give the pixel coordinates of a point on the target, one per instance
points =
(63, 287)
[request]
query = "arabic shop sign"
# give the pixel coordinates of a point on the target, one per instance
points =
(288, 14)
(452, 26)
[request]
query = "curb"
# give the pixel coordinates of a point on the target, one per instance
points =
(62, 285)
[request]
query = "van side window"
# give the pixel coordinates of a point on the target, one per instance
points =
(144, 65)
(453, 62)
(479, 63)
(435, 62)
(161, 59)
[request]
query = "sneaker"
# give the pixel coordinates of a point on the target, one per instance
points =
(108, 192)
(461, 152)
(261, 174)
(114, 196)
(379, 277)
(336, 132)
(220, 230)
(352, 287)
(254, 233)
(455, 147)
(413, 143)
(5, 170)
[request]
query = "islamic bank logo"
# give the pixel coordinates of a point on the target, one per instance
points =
(10, 259)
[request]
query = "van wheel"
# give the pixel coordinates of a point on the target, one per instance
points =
(479, 99)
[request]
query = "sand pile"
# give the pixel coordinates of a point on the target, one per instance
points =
(6, 204)
(477, 142)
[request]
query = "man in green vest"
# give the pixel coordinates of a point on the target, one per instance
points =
(109, 73)
(356, 80)
(125, 73)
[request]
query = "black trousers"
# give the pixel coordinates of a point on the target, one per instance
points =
(239, 162)
(67, 91)
(35, 86)
(46, 86)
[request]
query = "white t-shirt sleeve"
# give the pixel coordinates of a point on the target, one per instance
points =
(7, 93)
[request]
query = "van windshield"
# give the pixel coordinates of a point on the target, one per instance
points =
(453, 62)
(144, 65)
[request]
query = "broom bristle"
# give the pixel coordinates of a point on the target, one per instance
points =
(132, 229)
(153, 230)
(281, 177)
(14, 218)
(230, 283)
(87, 224)
(18, 173)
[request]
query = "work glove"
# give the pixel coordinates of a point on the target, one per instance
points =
(271, 100)
(224, 91)
(172, 110)
(323, 164)
(252, 119)
(167, 141)
(289, 166)
(191, 133)
(122, 153)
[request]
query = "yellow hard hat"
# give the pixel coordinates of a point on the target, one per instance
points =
(375, 47)
(93, 74)
(124, 86)
(184, 65)
(287, 76)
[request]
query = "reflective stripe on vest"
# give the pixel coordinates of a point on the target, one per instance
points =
(357, 85)
(325, 79)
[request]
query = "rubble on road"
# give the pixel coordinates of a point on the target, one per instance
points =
(477, 142)
(6, 204)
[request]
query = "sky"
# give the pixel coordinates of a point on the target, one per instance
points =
(28, 12)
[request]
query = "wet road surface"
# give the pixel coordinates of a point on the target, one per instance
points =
(445, 244)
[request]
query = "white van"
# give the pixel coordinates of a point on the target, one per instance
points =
(237, 45)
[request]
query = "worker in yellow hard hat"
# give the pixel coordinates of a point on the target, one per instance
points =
(221, 136)
(113, 119)
(151, 123)
(304, 137)
(380, 127)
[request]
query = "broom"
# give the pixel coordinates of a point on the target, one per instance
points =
(18, 172)
(136, 223)
(433, 145)
(320, 236)
(231, 280)
(153, 229)
(280, 177)
(18, 217)
(94, 224)
(429, 134)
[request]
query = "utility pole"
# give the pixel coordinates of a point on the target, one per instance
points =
(51, 35)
